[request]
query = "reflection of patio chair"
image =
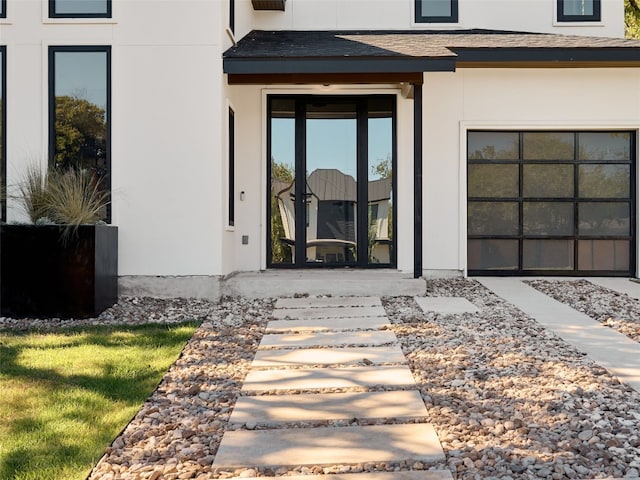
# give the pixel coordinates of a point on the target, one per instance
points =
(322, 250)
(379, 208)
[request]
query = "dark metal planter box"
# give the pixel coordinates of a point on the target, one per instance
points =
(42, 276)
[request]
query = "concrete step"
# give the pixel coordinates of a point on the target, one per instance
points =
(328, 312)
(315, 302)
(275, 409)
(403, 475)
(328, 324)
(329, 446)
(321, 378)
(329, 339)
(281, 282)
(446, 305)
(329, 356)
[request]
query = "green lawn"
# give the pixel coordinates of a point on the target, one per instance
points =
(65, 396)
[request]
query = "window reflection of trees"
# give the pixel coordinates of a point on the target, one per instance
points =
(81, 130)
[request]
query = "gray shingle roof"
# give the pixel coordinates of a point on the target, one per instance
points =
(414, 46)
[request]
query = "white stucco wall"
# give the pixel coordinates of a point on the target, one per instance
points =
(169, 119)
(518, 99)
(167, 135)
(518, 15)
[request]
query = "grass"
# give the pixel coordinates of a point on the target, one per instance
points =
(65, 396)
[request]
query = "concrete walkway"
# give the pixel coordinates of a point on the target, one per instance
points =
(620, 285)
(330, 388)
(612, 350)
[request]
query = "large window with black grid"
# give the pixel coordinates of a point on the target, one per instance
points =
(551, 202)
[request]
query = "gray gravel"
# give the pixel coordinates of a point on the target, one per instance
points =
(508, 399)
(615, 310)
(128, 310)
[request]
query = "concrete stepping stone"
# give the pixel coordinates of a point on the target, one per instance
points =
(446, 305)
(329, 356)
(402, 475)
(329, 446)
(326, 324)
(315, 302)
(326, 378)
(329, 312)
(332, 339)
(274, 409)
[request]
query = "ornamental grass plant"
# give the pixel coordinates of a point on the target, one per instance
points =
(70, 197)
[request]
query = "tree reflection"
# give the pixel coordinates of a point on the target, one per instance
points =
(81, 135)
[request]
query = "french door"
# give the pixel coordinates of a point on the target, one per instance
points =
(331, 183)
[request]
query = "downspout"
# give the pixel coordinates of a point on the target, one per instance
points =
(417, 180)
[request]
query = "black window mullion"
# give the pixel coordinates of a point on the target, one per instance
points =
(269, 188)
(362, 173)
(520, 201)
(231, 173)
(576, 197)
(300, 186)
(3, 133)
(632, 205)
(394, 186)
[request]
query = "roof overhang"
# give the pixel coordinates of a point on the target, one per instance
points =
(395, 57)
(548, 57)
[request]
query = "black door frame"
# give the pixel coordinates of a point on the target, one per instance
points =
(301, 101)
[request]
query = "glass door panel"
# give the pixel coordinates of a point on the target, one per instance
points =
(331, 191)
(380, 181)
(331, 182)
(282, 182)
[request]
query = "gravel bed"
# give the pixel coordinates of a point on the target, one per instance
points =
(615, 310)
(128, 310)
(508, 399)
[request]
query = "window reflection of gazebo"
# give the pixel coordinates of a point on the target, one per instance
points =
(331, 226)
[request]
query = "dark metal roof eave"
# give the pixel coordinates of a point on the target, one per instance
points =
(568, 55)
(403, 64)
(336, 65)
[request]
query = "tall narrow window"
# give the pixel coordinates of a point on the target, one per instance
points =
(232, 154)
(3, 8)
(436, 11)
(579, 10)
(3, 137)
(79, 117)
(232, 16)
(79, 8)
